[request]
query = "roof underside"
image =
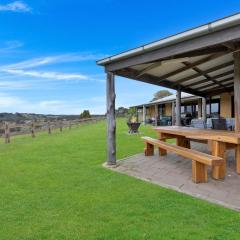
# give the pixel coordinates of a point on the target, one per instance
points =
(201, 66)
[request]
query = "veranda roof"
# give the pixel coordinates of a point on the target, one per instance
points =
(198, 61)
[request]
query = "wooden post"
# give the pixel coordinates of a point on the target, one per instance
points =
(237, 90)
(199, 108)
(173, 113)
(111, 120)
(7, 133)
(144, 114)
(60, 126)
(33, 130)
(236, 57)
(49, 128)
(156, 114)
(204, 109)
(178, 107)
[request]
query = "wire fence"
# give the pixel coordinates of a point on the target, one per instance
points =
(9, 129)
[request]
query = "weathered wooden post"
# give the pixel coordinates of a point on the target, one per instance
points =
(7, 133)
(156, 114)
(111, 120)
(173, 113)
(60, 126)
(236, 57)
(33, 130)
(199, 108)
(144, 114)
(49, 128)
(204, 109)
(178, 107)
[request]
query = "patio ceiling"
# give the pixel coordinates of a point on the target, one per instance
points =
(198, 61)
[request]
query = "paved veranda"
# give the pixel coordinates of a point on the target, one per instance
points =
(174, 172)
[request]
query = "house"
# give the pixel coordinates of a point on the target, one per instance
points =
(217, 106)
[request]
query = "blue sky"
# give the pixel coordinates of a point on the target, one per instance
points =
(48, 48)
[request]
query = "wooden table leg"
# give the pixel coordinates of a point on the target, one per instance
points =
(162, 152)
(219, 149)
(237, 156)
(183, 142)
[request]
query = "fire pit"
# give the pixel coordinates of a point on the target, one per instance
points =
(133, 127)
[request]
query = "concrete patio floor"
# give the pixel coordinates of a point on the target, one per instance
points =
(173, 171)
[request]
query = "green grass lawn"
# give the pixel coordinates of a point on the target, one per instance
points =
(54, 187)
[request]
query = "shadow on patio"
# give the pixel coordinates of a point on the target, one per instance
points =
(173, 171)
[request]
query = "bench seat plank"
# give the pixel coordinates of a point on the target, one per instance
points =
(199, 160)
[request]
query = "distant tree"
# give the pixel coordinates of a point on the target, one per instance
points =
(85, 114)
(121, 112)
(161, 94)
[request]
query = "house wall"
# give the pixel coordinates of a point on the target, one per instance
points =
(225, 105)
(168, 109)
(151, 111)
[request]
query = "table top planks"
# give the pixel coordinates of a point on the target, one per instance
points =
(201, 134)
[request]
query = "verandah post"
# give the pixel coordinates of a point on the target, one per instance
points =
(173, 113)
(236, 57)
(204, 109)
(178, 107)
(111, 120)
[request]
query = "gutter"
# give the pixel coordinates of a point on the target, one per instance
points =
(183, 36)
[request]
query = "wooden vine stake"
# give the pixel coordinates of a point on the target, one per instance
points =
(60, 126)
(33, 130)
(49, 128)
(7, 133)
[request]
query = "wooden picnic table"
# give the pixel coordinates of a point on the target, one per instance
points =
(220, 141)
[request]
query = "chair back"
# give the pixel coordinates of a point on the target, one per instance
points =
(219, 123)
(198, 123)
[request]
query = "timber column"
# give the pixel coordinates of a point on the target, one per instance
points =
(178, 107)
(156, 114)
(204, 109)
(144, 114)
(111, 120)
(173, 113)
(236, 57)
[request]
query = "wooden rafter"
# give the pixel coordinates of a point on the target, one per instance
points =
(215, 77)
(194, 64)
(147, 69)
(208, 77)
(215, 68)
(212, 84)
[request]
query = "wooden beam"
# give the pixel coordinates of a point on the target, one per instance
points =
(227, 85)
(178, 107)
(215, 77)
(111, 120)
(208, 41)
(209, 78)
(236, 57)
(147, 69)
(131, 73)
(212, 84)
(194, 64)
(212, 69)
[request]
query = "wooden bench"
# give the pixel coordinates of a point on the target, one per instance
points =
(200, 160)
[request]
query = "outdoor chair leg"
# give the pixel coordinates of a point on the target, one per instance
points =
(149, 149)
(199, 172)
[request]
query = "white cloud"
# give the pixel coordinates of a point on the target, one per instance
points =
(48, 75)
(62, 58)
(9, 103)
(16, 6)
